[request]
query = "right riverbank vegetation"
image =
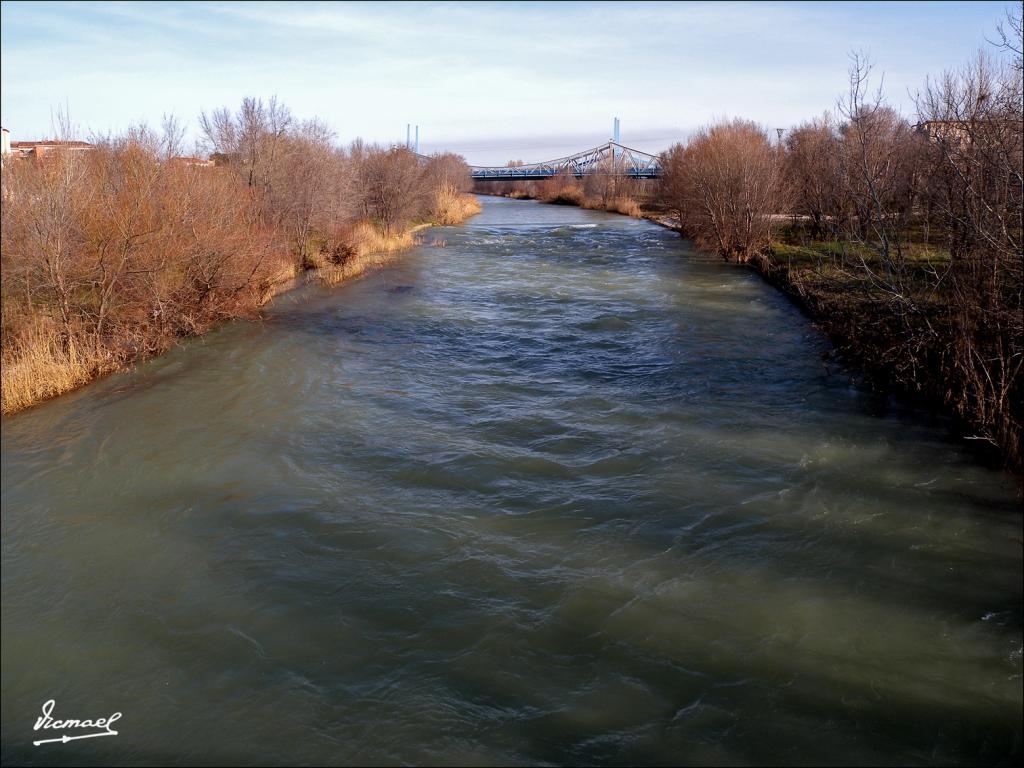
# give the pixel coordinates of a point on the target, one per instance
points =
(116, 249)
(902, 238)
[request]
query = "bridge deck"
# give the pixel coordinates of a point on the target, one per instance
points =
(611, 158)
(495, 174)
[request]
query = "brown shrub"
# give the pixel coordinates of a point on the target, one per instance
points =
(452, 206)
(725, 185)
(115, 253)
(812, 174)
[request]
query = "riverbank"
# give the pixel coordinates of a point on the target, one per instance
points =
(570, 194)
(903, 344)
(902, 350)
(44, 365)
(625, 206)
(368, 248)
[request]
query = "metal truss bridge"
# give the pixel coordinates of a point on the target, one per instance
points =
(613, 158)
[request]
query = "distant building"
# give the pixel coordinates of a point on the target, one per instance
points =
(194, 161)
(955, 131)
(962, 133)
(38, 150)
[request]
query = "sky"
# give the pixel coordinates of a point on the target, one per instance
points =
(491, 81)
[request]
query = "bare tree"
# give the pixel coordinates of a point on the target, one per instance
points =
(114, 251)
(812, 173)
(730, 185)
(43, 235)
(1010, 36)
(250, 139)
(303, 187)
(673, 185)
(172, 137)
(448, 171)
(449, 180)
(393, 187)
(877, 157)
(974, 119)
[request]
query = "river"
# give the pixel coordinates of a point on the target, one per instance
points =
(553, 488)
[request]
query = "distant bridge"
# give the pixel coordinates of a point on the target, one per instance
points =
(611, 158)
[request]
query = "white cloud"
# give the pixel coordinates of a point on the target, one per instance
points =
(471, 74)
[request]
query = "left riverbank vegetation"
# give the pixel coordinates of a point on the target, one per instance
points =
(114, 254)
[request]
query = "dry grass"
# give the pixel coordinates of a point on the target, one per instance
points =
(454, 207)
(627, 206)
(567, 190)
(280, 280)
(566, 196)
(367, 247)
(366, 239)
(560, 191)
(38, 366)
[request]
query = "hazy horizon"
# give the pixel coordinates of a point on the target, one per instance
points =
(493, 82)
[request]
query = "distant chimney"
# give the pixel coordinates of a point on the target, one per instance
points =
(407, 126)
(417, 140)
(6, 142)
